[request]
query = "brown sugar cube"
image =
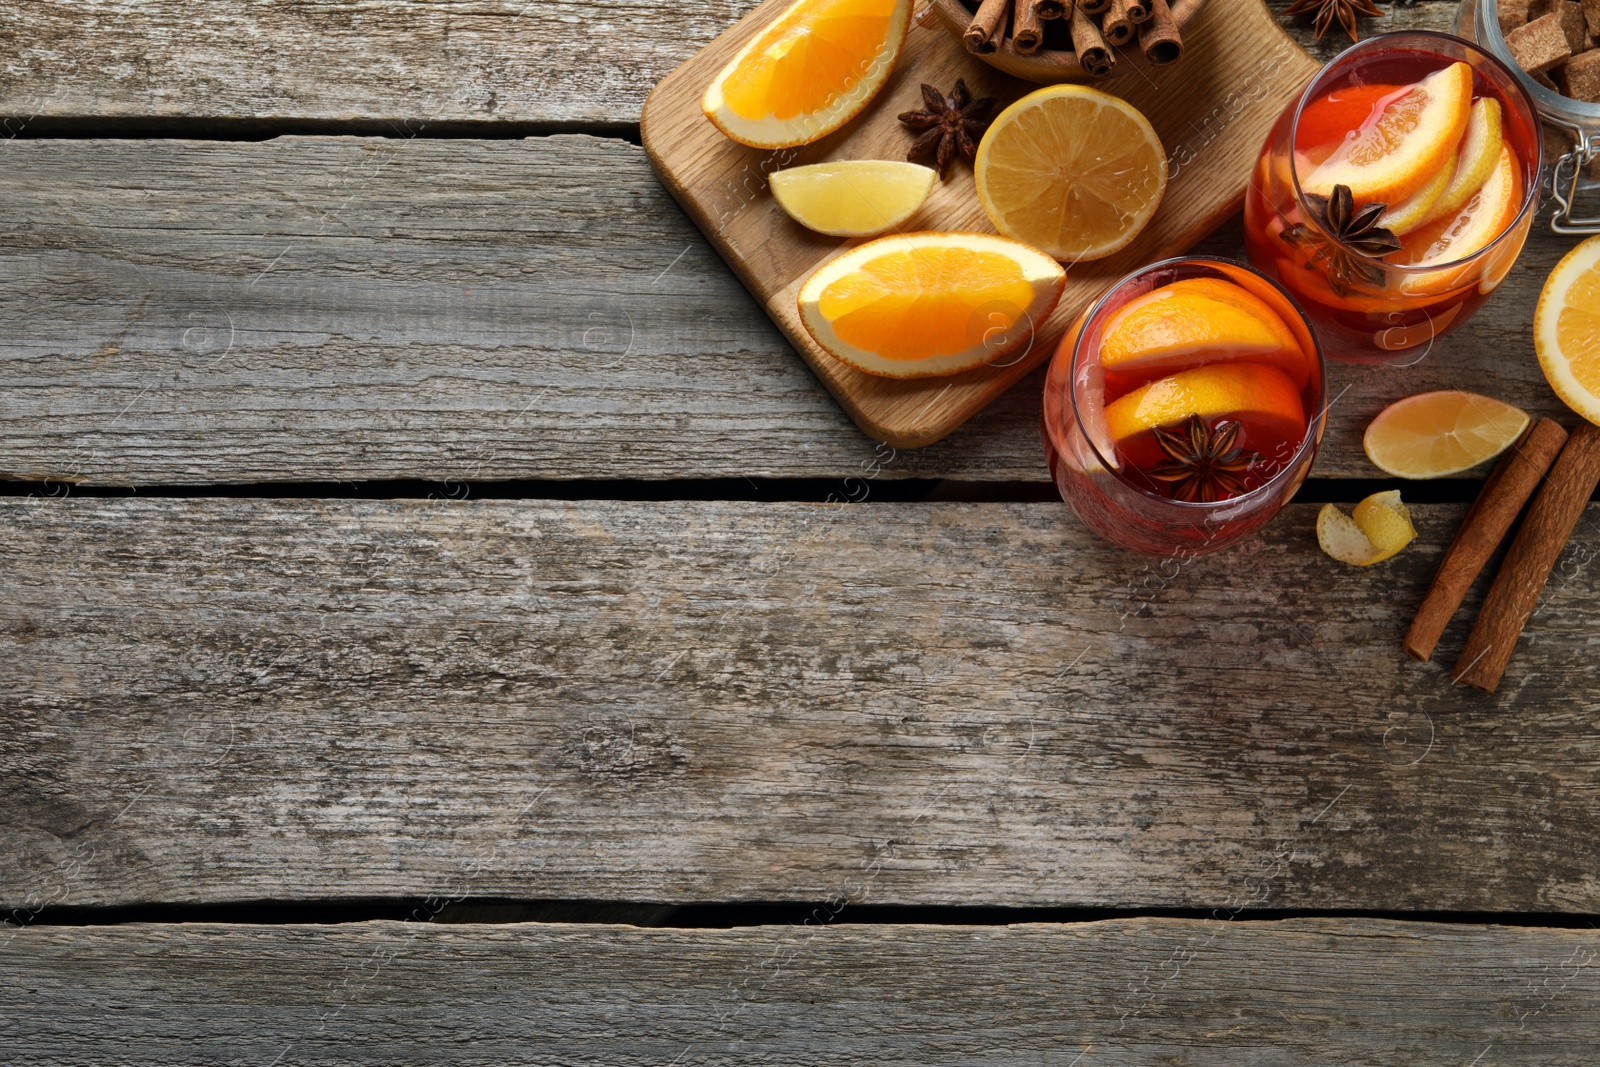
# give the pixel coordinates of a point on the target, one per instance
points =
(1591, 16)
(1580, 77)
(1539, 45)
(1514, 13)
(1539, 8)
(1573, 25)
(1548, 82)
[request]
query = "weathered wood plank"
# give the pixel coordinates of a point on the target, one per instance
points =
(412, 62)
(219, 699)
(1144, 991)
(181, 312)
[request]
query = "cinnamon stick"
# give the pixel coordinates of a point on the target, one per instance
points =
(1093, 55)
(1027, 32)
(987, 27)
(1093, 7)
(1159, 39)
(1117, 25)
(1544, 533)
(1047, 10)
(1482, 530)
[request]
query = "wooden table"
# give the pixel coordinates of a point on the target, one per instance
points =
(445, 623)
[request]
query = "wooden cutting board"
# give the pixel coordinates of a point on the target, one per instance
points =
(1212, 110)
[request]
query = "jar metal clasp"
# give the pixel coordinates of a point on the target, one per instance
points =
(1564, 180)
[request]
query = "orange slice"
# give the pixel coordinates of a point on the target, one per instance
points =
(1406, 143)
(922, 304)
(1073, 171)
(1483, 218)
(1433, 435)
(1419, 207)
(809, 72)
(1261, 398)
(1476, 159)
(1566, 329)
(1195, 321)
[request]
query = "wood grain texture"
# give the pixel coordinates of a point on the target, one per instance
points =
(411, 62)
(1146, 991)
(1211, 113)
(226, 700)
(328, 309)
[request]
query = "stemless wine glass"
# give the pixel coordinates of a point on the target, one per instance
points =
(1368, 309)
(1109, 492)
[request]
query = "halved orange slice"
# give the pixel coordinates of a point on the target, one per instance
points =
(1407, 142)
(1261, 398)
(923, 304)
(1195, 321)
(1475, 160)
(1566, 329)
(809, 72)
(1486, 215)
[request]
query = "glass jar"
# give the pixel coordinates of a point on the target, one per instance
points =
(1575, 170)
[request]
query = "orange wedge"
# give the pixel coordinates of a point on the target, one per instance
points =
(1073, 171)
(1195, 321)
(1566, 329)
(1433, 435)
(1475, 160)
(1484, 217)
(1261, 398)
(923, 304)
(1407, 142)
(809, 72)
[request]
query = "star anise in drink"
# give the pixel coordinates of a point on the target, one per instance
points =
(1329, 11)
(949, 126)
(1204, 462)
(1350, 229)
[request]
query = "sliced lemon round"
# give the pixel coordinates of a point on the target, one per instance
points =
(1073, 171)
(809, 72)
(1379, 528)
(1434, 435)
(923, 304)
(1566, 329)
(852, 197)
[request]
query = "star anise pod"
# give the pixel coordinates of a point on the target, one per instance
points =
(1205, 464)
(950, 125)
(1326, 11)
(1349, 229)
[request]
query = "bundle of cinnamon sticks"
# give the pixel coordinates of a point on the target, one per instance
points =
(1094, 29)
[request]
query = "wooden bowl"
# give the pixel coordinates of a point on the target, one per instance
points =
(1048, 65)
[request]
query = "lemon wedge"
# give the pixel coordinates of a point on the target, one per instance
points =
(853, 197)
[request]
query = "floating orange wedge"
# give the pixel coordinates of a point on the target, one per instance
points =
(1566, 329)
(1260, 397)
(1475, 160)
(1199, 320)
(1484, 217)
(809, 72)
(922, 304)
(1410, 140)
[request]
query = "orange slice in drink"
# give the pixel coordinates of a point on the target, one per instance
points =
(1484, 217)
(1404, 144)
(1475, 160)
(809, 72)
(1566, 329)
(1196, 321)
(1416, 209)
(922, 304)
(1263, 399)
